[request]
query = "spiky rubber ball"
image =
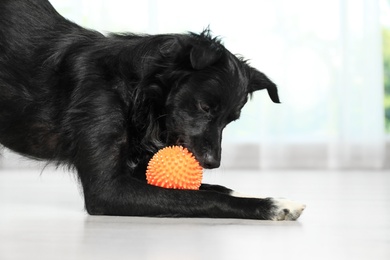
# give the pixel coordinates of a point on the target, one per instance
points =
(174, 167)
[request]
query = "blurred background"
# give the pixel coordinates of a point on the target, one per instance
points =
(329, 58)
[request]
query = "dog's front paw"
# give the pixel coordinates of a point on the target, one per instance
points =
(286, 209)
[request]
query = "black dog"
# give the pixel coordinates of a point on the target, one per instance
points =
(105, 104)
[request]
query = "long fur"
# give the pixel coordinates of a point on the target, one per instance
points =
(105, 104)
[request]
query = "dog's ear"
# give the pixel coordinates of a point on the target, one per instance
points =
(204, 54)
(258, 81)
(196, 50)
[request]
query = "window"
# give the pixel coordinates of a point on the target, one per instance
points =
(386, 74)
(385, 9)
(325, 57)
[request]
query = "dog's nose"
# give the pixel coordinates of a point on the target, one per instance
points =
(211, 162)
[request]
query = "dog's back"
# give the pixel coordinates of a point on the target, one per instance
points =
(25, 27)
(28, 29)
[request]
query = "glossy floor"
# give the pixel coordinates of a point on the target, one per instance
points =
(347, 217)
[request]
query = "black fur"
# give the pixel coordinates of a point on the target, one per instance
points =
(105, 104)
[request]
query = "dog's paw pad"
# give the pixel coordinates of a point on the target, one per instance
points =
(287, 210)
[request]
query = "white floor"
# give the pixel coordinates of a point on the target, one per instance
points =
(347, 217)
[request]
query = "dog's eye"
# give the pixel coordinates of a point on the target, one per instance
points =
(204, 107)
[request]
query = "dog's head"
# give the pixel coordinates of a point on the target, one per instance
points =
(208, 88)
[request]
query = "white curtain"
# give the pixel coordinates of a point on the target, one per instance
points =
(332, 86)
(324, 55)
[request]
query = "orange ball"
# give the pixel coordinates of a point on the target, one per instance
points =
(174, 167)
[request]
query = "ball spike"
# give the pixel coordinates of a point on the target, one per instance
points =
(174, 167)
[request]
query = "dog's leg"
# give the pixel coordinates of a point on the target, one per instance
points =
(216, 188)
(287, 209)
(110, 189)
(129, 197)
(284, 209)
(110, 192)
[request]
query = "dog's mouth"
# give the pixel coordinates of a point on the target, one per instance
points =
(180, 142)
(205, 160)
